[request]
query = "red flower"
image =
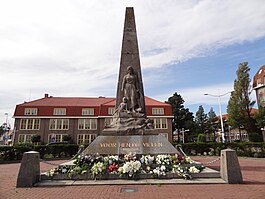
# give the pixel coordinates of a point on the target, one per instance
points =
(113, 167)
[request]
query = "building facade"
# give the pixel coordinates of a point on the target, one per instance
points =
(80, 118)
(259, 86)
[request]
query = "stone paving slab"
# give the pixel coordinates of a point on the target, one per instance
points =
(253, 170)
(46, 183)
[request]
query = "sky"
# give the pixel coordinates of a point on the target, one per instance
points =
(71, 48)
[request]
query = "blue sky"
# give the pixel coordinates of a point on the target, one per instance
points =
(216, 71)
(72, 48)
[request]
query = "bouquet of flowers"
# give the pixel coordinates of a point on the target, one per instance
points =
(129, 157)
(130, 168)
(159, 171)
(98, 168)
(147, 159)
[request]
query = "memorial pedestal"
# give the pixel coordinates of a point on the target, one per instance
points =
(138, 144)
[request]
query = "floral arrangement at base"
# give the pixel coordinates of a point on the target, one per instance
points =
(130, 166)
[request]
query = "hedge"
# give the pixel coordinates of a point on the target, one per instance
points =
(52, 151)
(247, 149)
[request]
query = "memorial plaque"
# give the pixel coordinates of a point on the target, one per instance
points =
(139, 144)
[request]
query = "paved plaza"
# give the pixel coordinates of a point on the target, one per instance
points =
(253, 171)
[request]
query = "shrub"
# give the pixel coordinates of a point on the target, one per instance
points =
(248, 149)
(35, 138)
(201, 138)
(67, 138)
(55, 151)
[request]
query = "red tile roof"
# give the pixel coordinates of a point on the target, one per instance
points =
(68, 101)
(84, 102)
(74, 105)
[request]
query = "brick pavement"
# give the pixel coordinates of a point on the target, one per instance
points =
(253, 171)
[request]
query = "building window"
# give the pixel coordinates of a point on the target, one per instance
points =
(30, 111)
(111, 110)
(160, 123)
(25, 138)
(158, 111)
(59, 124)
(85, 138)
(29, 124)
(87, 111)
(87, 124)
(56, 137)
(108, 121)
(59, 111)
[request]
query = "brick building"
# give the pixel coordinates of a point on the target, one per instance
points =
(259, 86)
(81, 118)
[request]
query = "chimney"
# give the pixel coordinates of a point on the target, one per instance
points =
(46, 95)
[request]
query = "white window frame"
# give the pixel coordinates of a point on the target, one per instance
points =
(59, 124)
(87, 124)
(85, 138)
(160, 123)
(158, 111)
(111, 110)
(59, 111)
(30, 111)
(60, 136)
(88, 111)
(27, 124)
(27, 138)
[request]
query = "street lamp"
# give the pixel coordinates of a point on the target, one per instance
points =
(220, 111)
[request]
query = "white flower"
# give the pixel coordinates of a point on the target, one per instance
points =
(193, 169)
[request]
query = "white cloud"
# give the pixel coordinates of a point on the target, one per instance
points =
(196, 95)
(72, 47)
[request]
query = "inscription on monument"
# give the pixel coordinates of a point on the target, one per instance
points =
(139, 144)
(131, 145)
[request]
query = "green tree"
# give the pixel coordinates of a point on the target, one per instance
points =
(35, 139)
(240, 104)
(211, 114)
(213, 123)
(260, 122)
(201, 120)
(183, 118)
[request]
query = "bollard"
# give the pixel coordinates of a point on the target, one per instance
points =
(29, 172)
(230, 169)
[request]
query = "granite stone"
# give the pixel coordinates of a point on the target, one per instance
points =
(230, 169)
(29, 172)
(138, 144)
(130, 57)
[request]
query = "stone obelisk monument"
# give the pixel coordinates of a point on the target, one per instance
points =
(130, 57)
(130, 130)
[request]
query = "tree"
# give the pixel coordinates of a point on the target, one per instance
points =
(201, 120)
(240, 104)
(211, 114)
(260, 122)
(35, 139)
(183, 118)
(213, 123)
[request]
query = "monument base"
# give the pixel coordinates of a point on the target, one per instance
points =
(138, 144)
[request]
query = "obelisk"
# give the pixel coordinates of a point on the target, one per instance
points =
(130, 57)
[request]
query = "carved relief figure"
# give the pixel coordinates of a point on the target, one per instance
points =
(121, 108)
(130, 89)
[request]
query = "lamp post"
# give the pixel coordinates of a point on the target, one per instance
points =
(220, 112)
